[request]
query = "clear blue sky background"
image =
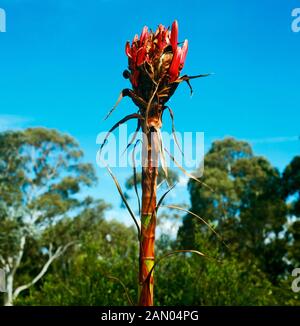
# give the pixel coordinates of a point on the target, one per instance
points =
(61, 64)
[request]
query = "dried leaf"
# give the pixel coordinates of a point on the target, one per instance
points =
(171, 254)
(163, 197)
(162, 154)
(150, 102)
(199, 217)
(134, 176)
(124, 200)
(173, 129)
(114, 107)
(134, 135)
(115, 126)
(187, 79)
(124, 288)
(186, 173)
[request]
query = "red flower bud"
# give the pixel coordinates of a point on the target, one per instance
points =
(184, 50)
(174, 35)
(128, 49)
(141, 56)
(144, 35)
(174, 67)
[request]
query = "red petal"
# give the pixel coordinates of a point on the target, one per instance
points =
(174, 35)
(128, 49)
(134, 78)
(144, 35)
(133, 52)
(166, 36)
(136, 38)
(184, 50)
(174, 67)
(140, 59)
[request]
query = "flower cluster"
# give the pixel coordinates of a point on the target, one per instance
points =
(155, 56)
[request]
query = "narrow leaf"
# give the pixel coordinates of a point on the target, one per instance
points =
(124, 200)
(173, 129)
(115, 126)
(150, 102)
(186, 173)
(187, 79)
(161, 183)
(199, 217)
(134, 135)
(134, 175)
(163, 197)
(114, 107)
(171, 254)
(161, 153)
(124, 288)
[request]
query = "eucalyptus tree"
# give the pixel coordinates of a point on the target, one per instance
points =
(41, 173)
(247, 205)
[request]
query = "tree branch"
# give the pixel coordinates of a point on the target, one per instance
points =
(59, 251)
(19, 255)
(2, 261)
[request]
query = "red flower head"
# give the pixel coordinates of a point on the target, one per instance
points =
(156, 56)
(154, 64)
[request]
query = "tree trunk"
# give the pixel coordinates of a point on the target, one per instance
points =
(148, 220)
(8, 295)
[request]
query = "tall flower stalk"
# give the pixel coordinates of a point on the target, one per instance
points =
(155, 60)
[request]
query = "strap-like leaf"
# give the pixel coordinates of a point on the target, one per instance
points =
(138, 127)
(134, 175)
(124, 200)
(123, 286)
(164, 196)
(161, 183)
(173, 129)
(171, 254)
(114, 107)
(150, 102)
(186, 173)
(115, 126)
(161, 152)
(200, 218)
(187, 79)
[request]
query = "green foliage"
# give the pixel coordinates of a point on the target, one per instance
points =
(216, 279)
(195, 282)
(291, 189)
(83, 276)
(253, 207)
(247, 207)
(41, 173)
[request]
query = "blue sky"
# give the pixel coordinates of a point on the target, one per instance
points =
(61, 64)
